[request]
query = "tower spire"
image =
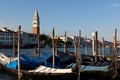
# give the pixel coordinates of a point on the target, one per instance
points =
(36, 16)
(36, 23)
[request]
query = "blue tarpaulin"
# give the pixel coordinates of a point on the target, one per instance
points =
(28, 63)
(25, 62)
(57, 62)
(94, 68)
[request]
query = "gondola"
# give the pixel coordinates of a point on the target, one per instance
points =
(99, 69)
(102, 68)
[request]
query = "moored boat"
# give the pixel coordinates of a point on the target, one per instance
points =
(30, 70)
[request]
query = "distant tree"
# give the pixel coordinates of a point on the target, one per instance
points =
(48, 40)
(43, 37)
(59, 40)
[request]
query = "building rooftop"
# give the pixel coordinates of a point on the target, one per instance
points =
(4, 29)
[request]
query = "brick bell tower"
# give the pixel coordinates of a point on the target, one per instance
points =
(36, 23)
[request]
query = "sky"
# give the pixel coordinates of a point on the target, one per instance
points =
(64, 15)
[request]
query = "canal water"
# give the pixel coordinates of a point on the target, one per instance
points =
(45, 53)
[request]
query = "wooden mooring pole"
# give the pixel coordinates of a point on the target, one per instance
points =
(75, 46)
(65, 50)
(79, 60)
(114, 53)
(14, 48)
(56, 50)
(38, 45)
(115, 39)
(19, 40)
(79, 50)
(96, 45)
(53, 49)
(86, 48)
(103, 47)
(93, 43)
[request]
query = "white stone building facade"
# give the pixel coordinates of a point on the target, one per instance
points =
(6, 38)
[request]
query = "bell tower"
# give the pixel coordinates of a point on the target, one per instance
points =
(36, 23)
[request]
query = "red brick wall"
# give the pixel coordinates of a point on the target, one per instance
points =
(35, 30)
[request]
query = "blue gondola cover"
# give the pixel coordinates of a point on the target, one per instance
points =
(26, 62)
